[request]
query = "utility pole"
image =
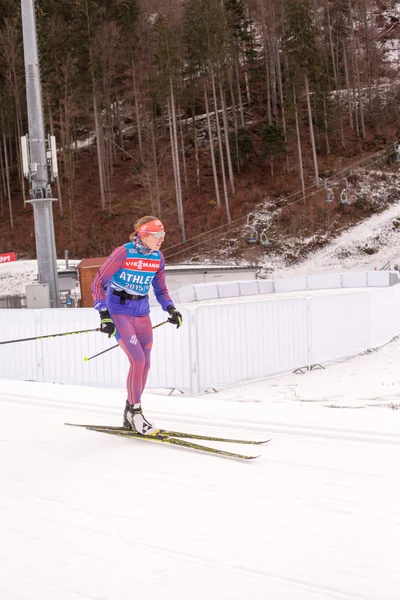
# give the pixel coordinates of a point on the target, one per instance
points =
(36, 157)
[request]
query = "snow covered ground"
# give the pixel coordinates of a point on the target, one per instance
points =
(85, 516)
(346, 253)
(14, 276)
(317, 517)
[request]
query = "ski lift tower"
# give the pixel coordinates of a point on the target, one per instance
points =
(39, 159)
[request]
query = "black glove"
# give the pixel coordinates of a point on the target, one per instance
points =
(106, 323)
(176, 317)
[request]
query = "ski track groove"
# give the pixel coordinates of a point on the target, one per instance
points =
(258, 427)
(167, 481)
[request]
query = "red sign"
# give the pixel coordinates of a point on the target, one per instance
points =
(9, 257)
(139, 264)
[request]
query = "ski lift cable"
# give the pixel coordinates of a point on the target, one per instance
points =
(381, 157)
(315, 190)
(396, 150)
(202, 242)
(357, 164)
(241, 219)
(272, 204)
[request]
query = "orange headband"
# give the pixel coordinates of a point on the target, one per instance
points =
(150, 227)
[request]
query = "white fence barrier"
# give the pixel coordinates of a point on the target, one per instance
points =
(221, 343)
(250, 340)
(323, 281)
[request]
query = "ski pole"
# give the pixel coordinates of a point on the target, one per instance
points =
(87, 358)
(52, 335)
(159, 324)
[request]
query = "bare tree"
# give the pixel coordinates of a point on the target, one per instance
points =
(7, 172)
(10, 49)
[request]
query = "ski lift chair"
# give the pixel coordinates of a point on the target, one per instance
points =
(344, 197)
(330, 195)
(252, 235)
(397, 152)
(263, 238)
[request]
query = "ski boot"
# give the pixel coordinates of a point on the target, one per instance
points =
(134, 419)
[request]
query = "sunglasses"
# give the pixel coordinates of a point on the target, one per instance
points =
(159, 235)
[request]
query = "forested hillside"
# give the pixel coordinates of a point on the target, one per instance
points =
(198, 111)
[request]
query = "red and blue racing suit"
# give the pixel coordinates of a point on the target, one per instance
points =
(131, 269)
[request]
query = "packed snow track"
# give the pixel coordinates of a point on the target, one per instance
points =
(88, 516)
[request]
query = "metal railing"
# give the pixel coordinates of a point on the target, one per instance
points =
(13, 301)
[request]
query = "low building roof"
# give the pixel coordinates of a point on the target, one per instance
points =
(91, 262)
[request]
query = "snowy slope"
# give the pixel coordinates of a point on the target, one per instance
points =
(14, 276)
(380, 232)
(317, 517)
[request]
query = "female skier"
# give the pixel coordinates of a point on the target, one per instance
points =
(120, 293)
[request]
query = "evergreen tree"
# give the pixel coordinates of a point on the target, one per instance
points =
(300, 43)
(273, 143)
